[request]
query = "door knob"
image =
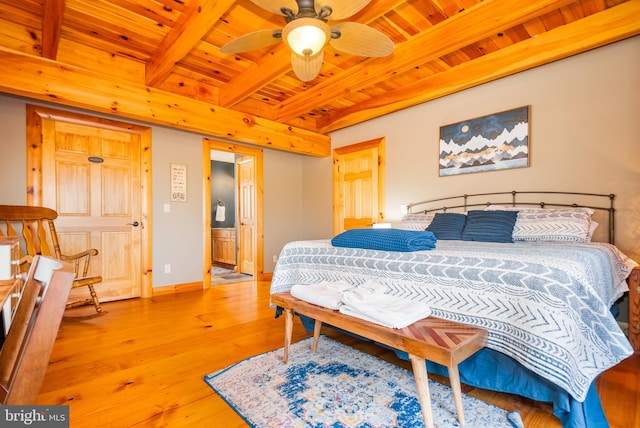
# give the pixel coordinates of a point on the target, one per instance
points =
(134, 224)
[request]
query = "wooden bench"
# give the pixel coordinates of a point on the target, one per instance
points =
(434, 339)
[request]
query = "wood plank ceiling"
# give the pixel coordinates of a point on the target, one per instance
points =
(170, 48)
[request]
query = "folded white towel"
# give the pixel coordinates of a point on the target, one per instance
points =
(389, 311)
(325, 294)
(371, 288)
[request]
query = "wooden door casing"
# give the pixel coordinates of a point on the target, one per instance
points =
(90, 173)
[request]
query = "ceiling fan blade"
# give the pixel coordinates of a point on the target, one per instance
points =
(306, 67)
(274, 6)
(342, 8)
(255, 40)
(359, 39)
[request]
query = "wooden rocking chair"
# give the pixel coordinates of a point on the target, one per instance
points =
(36, 226)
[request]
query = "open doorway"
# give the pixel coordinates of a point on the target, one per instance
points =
(233, 212)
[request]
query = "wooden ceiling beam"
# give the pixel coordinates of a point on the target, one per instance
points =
(43, 79)
(476, 23)
(52, 27)
(189, 29)
(608, 26)
(270, 67)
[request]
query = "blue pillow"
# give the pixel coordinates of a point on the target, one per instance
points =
(489, 226)
(447, 226)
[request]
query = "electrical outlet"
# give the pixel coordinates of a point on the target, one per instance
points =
(167, 268)
(275, 259)
(167, 208)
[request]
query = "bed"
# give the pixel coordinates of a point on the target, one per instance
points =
(529, 272)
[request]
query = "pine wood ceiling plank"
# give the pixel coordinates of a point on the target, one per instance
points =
(104, 15)
(194, 23)
(165, 16)
(38, 78)
(52, 27)
(14, 37)
(378, 8)
(178, 5)
(592, 6)
(477, 23)
(488, 45)
(571, 13)
(202, 61)
(534, 27)
(110, 29)
(25, 13)
(73, 53)
(428, 11)
(448, 7)
(553, 20)
(608, 26)
(518, 33)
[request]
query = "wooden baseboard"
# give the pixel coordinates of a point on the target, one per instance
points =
(177, 288)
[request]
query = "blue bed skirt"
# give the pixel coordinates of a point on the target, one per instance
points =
(489, 369)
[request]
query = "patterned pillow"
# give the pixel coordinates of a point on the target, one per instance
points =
(447, 226)
(415, 221)
(566, 225)
(489, 226)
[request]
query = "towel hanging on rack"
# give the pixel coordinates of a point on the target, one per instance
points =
(220, 215)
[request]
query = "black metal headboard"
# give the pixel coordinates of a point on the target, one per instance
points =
(595, 201)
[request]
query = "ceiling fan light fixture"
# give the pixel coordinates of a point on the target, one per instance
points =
(306, 36)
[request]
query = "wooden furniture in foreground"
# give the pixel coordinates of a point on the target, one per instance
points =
(24, 356)
(634, 308)
(434, 339)
(37, 228)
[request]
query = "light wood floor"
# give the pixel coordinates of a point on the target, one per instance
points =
(142, 362)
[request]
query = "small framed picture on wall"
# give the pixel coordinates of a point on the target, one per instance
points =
(178, 183)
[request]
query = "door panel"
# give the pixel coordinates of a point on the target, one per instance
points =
(91, 178)
(358, 185)
(246, 214)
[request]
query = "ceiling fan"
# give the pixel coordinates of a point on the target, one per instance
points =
(307, 33)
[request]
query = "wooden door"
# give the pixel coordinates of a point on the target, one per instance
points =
(91, 177)
(246, 214)
(358, 182)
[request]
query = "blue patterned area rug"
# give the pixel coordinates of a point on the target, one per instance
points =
(340, 387)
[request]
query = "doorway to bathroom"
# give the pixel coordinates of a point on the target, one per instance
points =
(233, 177)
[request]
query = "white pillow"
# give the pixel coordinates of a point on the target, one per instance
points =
(415, 221)
(565, 225)
(551, 224)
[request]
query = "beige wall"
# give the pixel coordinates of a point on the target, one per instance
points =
(585, 112)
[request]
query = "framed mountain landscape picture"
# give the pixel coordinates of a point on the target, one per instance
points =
(487, 143)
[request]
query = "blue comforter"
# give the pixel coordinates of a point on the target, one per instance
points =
(546, 306)
(386, 239)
